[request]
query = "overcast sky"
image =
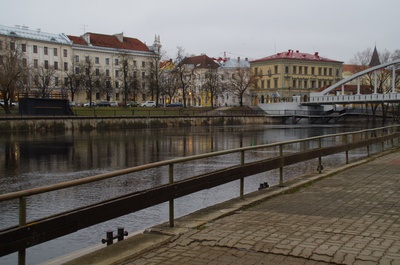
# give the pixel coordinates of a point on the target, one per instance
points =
(337, 29)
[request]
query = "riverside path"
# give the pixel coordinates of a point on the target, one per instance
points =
(351, 215)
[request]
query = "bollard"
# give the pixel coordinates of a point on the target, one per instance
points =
(110, 236)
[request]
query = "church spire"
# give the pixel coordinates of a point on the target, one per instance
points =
(374, 58)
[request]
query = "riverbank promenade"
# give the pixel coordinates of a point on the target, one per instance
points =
(346, 215)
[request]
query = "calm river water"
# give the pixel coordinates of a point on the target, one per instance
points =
(39, 159)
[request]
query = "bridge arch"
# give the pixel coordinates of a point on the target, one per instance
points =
(357, 75)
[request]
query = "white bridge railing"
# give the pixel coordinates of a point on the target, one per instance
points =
(361, 98)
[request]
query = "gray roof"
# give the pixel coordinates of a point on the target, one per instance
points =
(233, 63)
(26, 33)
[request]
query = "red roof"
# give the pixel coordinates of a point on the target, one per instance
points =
(110, 41)
(201, 61)
(354, 68)
(295, 55)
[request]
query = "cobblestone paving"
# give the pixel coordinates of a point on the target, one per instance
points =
(349, 218)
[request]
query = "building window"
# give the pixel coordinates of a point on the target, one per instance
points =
(300, 70)
(312, 70)
(55, 81)
(262, 83)
(55, 65)
(76, 58)
(1, 45)
(143, 64)
(46, 64)
(306, 70)
(97, 60)
(319, 71)
(65, 53)
(76, 70)
(1, 60)
(330, 71)
(256, 71)
(116, 61)
(325, 71)
(34, 49)
(337, 72)
(116, 73)
(108, 84)
(294, 83)
(65, 81)
(45, 50)
(305, 84)
(65, 66)
(87, 59)
(134, 63)
(286, 69)
(275, 82)
(35, 63)
(116, 84)
(107, 72)
(117, 96)
(107, 61)
(23, 47)
(55, 52)
(24, 62)
(97, 71)
(294, 69)
(276, 69)
(143, 75)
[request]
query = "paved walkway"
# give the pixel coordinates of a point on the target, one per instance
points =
(351, 217)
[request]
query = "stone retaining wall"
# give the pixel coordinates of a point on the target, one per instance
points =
(116, 123)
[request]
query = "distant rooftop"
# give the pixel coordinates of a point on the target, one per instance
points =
(26, 33)
(116, 41)
(295, 55)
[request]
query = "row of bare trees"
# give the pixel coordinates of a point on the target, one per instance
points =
(18, 76)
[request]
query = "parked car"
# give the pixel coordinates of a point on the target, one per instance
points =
(103, 104)
(72, 104)
(148, 104)
(113, 104)
(132, 104)
(13, 104)
(87, 104)
(175, 105)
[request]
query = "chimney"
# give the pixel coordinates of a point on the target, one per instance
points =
(86, 37)
(238, 59)
(297, 51)
(120, 36)
(316, 54)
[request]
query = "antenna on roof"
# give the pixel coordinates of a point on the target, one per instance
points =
(84, 28)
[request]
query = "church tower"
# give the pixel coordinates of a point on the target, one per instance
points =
(374, 59)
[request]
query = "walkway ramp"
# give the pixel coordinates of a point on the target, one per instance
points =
(348, 215)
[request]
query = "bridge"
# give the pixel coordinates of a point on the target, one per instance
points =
(324, 97)
(321, 106)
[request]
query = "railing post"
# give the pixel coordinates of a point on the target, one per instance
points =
(319, 158)
(347, 148)
(366, 133)
(242, 179)
(171, 202)
(281, 166)
(22, 222)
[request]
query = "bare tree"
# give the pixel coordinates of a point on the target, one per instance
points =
(213, 84)
(155, 78)
(43, 79)
(128, 77)
(241, 79)
(170, 84)
(11, 70)
(73, 79)
(93, 80)
(183, 73)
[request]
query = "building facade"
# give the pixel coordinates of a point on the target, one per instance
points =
(282, 75)
(51, 60)
(43, 55)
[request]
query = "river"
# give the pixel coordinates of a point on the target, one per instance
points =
(38, 159)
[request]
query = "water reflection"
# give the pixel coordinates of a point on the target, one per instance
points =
(41, 159)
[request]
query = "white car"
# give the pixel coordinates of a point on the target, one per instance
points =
(148, 104)
(113, 104)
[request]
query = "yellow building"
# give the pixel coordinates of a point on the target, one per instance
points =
(284, 74)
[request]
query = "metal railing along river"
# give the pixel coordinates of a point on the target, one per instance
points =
(32, 232)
